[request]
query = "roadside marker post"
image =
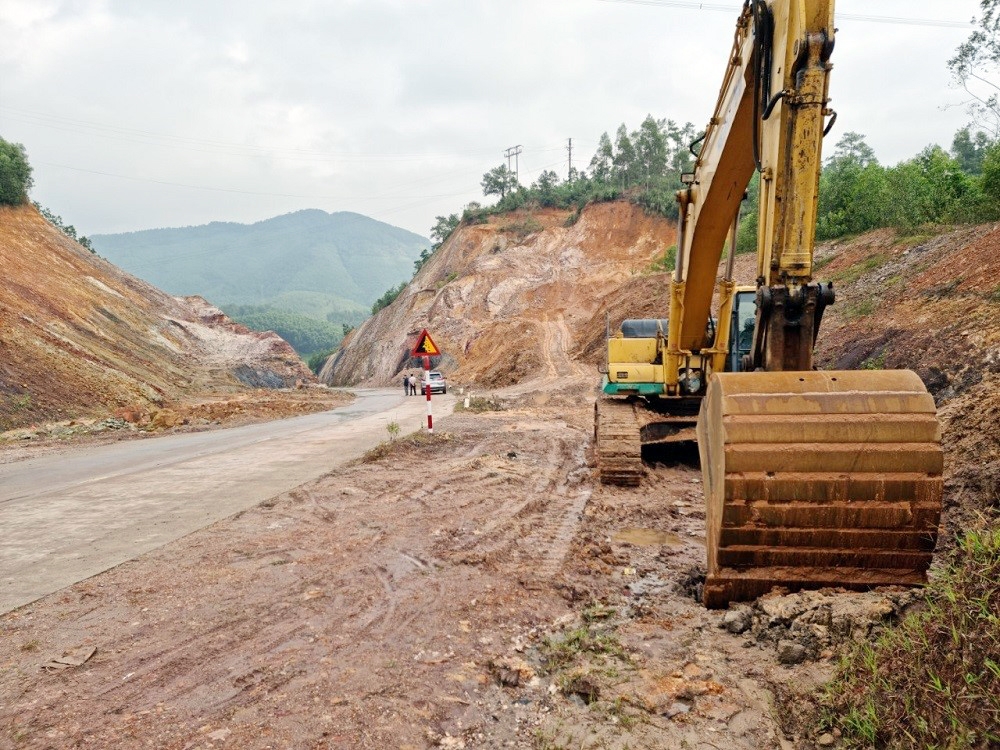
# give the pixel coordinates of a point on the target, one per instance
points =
(427, 387)
(426, 348)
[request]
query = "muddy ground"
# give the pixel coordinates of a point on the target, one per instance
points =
(475, 588)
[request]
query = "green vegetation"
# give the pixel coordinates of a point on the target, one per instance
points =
(667, 262)
(418, 440)
(15, 174)
(523, 228)
(933, 681)
(860, 309)
(316, 360)
(388, 298)
(874, 362)
(852, 273)
(643, 166)
(307, 336)
(68, 229)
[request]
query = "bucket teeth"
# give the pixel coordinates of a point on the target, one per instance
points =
(818, 479)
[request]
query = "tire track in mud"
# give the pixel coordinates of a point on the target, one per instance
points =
(559, 525)
(556, 339)
(534, 531)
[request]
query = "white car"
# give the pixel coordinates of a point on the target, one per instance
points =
(438, 383)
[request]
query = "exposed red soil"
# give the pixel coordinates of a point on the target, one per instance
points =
(80, 339)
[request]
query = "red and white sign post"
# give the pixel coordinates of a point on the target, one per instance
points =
(426, 348)
(427, 388)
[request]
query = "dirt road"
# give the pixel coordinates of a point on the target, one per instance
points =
(68, 516)
(474, 589)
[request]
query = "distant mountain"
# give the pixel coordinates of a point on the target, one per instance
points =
(309, 262)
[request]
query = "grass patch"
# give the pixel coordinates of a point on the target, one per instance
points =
(927, 232)
(820, 263)
(874, 362)
(860, 308)
(522, 229)
(934, 680)
(667, 262)
(479, 404)
(852, 273)
(418, 439)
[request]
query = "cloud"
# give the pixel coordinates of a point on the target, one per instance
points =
(138, 113)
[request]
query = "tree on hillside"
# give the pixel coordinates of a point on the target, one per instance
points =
(976, 67)
(852, 189)
(625, 167)
(545, 187)
(68, 229)
(600, 165)
(679, 139)
(852, 148)
(15, 174)
(970, 149)
(499, 181)
(650, 150)
(442, 229)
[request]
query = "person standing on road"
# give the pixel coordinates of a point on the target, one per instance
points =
(413, 385)
(406, 384)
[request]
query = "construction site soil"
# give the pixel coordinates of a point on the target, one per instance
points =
(478, 588)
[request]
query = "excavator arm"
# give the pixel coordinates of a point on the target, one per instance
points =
(769, 118)
(811, 478)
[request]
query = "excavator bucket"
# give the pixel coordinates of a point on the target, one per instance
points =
(817, 479)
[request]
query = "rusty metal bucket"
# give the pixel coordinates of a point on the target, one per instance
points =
(817, 479)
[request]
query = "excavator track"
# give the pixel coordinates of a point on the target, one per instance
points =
(618, 444)
(818, 479)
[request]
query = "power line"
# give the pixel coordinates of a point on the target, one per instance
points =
(689, 4)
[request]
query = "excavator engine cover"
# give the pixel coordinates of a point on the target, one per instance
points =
(817, 479)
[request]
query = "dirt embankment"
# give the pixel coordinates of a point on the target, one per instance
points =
(930, 303)
(80, 339)
(503, 299)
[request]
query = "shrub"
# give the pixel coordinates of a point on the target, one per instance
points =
(933, 681)
(15, 174)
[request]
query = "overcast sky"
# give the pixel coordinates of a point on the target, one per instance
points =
(152, 113)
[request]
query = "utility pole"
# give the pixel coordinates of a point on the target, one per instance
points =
(569, 173)
(513, 151)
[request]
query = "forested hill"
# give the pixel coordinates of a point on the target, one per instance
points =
(310, 262)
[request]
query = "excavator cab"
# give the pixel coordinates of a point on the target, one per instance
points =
(741, 341)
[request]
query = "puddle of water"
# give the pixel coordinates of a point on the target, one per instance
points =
(646, 537)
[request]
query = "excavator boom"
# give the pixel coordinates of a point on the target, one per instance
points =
(811, 478)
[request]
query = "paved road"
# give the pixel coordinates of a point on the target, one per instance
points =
(64, 518)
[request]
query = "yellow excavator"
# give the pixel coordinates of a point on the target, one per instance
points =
(812, 478)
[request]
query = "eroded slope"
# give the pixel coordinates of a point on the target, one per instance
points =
(79, 337)
(506, 300)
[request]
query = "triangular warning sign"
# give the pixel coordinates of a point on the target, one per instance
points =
(425, 346)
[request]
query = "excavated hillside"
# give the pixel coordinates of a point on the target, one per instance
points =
(80, 338)
(529, 295)
(505, 300)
